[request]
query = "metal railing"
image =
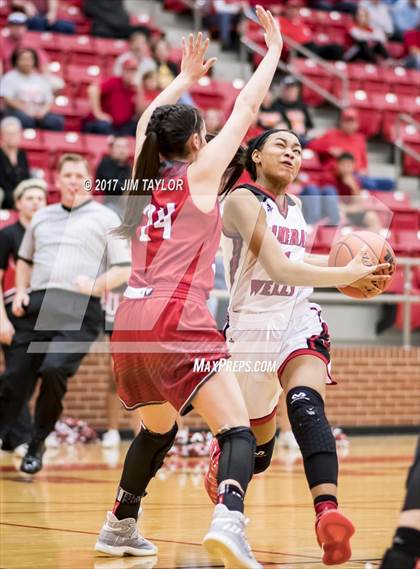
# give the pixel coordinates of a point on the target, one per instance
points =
(400, 146)
(406, 298)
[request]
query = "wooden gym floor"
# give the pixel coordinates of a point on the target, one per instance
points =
(51, 521)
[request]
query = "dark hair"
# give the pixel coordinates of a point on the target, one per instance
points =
(346, 156)
(167, 133)
(18, 52)
(243, 160)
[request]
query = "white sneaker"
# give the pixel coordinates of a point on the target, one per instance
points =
(287, 440)
(226, 541)
(111, 438)
(121, 537)
(21, 450)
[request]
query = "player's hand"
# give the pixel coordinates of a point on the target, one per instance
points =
(193, 64)
(7, 331)
(271, 27)
(20, 302)
(361, 270)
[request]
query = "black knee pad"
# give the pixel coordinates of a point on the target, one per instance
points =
(237, 457)
(159, 445)
(263, 456)
(310, 426)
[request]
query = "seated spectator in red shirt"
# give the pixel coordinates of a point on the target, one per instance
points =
(345, 138)
(368, 41)
(28, 94)
(17, 37)
(346, 181)
(292, 26)
(412, 46)
(114, 103)
(42, 16)
(14, 167)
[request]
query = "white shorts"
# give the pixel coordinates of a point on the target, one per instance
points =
(270, 351)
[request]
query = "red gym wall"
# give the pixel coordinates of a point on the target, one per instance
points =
(377, 386)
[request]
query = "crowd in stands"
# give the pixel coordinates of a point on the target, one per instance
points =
(134, 73)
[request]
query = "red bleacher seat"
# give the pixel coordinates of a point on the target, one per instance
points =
(310, 161)
(81, 50)
(409, 242)
(60, 142)
(81, 77)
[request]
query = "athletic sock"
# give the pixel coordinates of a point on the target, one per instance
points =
(324, 502)
(126, 505)
(231, 496)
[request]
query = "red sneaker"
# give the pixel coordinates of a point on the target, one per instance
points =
(210, 479)
(333, 531)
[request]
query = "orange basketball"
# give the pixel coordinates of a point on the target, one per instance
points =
(379, 251)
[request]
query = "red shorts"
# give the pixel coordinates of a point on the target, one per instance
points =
(155, 347)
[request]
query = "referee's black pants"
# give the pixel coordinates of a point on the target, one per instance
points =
(53, 337)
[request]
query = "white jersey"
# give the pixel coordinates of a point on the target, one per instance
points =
(256, 302)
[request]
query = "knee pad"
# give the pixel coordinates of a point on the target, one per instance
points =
(237, 455)
(263, 456)
(158, 444)
(310, 426)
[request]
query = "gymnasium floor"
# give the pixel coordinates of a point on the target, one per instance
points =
(51, 522)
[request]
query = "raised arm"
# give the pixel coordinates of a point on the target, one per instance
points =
(205, 173)
(193, 67)
(244, 215)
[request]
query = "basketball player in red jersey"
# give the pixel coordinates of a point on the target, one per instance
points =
(270, 279)
(163, 323)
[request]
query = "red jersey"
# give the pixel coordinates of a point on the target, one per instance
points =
(176, 243)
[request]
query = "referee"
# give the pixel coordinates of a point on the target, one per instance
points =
(65, 248)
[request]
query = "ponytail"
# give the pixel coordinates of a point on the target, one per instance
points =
(146, 168)
(233, 172)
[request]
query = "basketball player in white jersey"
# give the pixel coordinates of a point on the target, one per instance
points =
(273, 324)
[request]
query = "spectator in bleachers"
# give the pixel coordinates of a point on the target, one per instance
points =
(14, 167)
(293, 26)
(294, 109)
(42, 16)
(149, 90)
(379, 16)
(28, 94)
(270, 113)
(228, 13)
(369, 42)
(320, 202)
(114, 103)
(412, 47)
(346, 138)
(139, 50)
(214, 120)
(17, 37)
(110, 19)
(167, 69)
(346, 181)
(406, 16)
(115, 166)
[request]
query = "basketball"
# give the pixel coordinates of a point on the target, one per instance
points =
(379, 251)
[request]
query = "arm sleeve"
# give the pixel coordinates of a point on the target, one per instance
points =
(27, 247)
